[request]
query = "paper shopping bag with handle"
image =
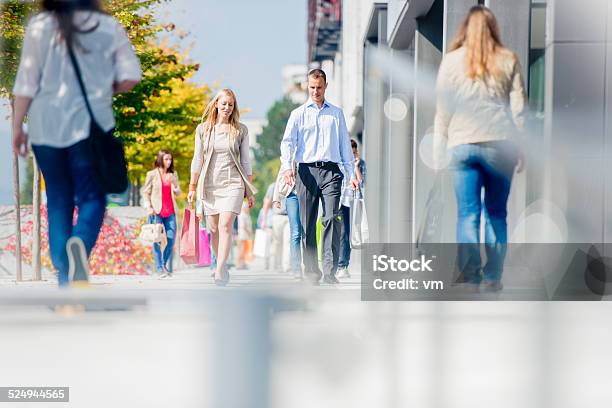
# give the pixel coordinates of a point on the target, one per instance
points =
(204, 258)
(190, 237)
(360, 232)
(248, 250)
(430, 229)
(261, 247)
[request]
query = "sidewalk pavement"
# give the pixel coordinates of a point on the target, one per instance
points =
(256, 276)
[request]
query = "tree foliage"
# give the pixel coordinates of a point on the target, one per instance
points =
(165, 108)
(177, 113)
(13, 15)
(267, 154)
(27, 187)
(160, 112)
(272, 133)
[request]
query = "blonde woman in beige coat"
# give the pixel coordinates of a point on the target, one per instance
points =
(480, 108)
(221, 159)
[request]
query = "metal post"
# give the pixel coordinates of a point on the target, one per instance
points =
(17, 217)
(18, 275)
(36, 275)
(241, 352)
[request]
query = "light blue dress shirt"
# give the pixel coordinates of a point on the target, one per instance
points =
(314, 134)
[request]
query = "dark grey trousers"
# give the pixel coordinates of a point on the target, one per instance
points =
(313, 184)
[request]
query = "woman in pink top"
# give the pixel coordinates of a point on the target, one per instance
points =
(158, 195)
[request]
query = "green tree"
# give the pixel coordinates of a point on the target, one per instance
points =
(164, 109)
(160, 112)
(13, 15)
(267, 154)
(272, 134)
(12, 18)
(27, 188)
(177, 113)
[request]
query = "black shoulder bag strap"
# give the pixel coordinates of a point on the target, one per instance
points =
(105, 151)
(77, 71)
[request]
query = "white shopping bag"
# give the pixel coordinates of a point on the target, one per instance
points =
(360, 234)
(261, 247)
(430, 229)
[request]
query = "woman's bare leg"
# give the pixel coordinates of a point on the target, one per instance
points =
(225, 227)
(213, 224)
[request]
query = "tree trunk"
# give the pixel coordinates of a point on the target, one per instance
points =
(36, 231)
(137, 203)
(18, 275)
(131, 195)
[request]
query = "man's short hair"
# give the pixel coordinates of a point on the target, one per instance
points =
(317, 73)
(353, 143)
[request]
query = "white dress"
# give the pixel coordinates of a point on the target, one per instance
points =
(223, 186)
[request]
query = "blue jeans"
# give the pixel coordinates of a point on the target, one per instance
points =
(164, 260)
(295, 232)
(213, 259)
(70, 182)
(345, 237)
(476, 166)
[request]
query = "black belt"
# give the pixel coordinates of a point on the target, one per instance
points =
(318, 164)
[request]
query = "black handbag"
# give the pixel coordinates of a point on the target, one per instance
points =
(105, 150)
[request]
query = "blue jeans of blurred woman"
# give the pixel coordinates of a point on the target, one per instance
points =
(295, 232)
(479, 166)
(69, 182)
(163, 259)
(345, 238)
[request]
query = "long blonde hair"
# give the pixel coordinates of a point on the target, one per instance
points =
(479, 34)
(210, 115)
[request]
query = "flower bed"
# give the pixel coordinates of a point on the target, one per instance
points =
(117, 252)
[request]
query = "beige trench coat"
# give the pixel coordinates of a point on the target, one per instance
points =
(239, 152)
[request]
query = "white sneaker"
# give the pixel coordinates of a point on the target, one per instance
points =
(78, 264)
(491, 286)
(343, 272)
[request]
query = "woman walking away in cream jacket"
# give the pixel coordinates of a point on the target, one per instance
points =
(160, 187)
(221, 158)
(480, 107)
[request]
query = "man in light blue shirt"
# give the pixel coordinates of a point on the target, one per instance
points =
(317, 140)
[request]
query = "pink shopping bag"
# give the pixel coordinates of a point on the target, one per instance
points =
(189, 237)
(204, 258)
